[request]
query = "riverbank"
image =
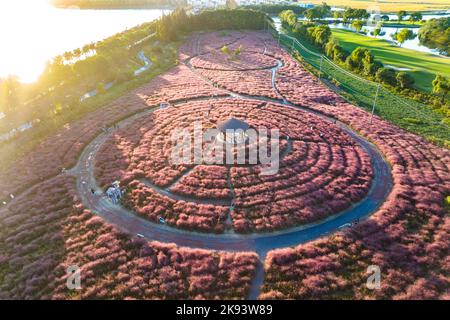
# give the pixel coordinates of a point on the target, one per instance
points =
(111, 4)
(389, 7)
(404, 112)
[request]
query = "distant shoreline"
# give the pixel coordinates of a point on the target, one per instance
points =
(128, 7)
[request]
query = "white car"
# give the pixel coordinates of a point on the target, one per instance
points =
(345, 226)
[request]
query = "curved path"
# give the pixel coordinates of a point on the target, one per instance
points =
(261, 243)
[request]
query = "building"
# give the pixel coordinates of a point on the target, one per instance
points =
(114, 192)
(206, 4)
(233, 131)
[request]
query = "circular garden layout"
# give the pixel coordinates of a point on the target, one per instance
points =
(322, 170)
(328, 177)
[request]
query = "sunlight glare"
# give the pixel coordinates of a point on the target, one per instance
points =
(23, 47)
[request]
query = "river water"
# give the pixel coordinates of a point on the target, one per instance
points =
(33, 32)
(413, 44)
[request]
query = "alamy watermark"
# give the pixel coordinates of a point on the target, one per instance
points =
(230, 146)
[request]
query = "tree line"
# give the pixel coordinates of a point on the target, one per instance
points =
(70, 74)
(115, 4)
(178, 23)
(362, 61)
(276, 8)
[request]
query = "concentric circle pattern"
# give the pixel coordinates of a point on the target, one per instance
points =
(322, 171)
(217, 60)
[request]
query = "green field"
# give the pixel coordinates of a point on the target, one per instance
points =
(405, 113)
(387, 5)
(423, 67)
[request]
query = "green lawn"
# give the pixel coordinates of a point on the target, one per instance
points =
(423, 66)
(403, 112)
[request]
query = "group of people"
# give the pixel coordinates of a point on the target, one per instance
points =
(114, 193)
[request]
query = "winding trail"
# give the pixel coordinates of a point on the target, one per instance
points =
(260, 243)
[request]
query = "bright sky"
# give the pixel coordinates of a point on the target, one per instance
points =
(17, 17)
(32, 32)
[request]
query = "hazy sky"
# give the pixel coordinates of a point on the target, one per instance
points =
(32, 32)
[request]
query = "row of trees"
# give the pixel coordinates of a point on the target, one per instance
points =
(360, 61)
(318, 12)
(351, 14)
(413, 17)
(400, 36)
(348, 15)
(170, 27)
(276, 8)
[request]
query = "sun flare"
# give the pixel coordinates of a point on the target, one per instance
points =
(19, 56)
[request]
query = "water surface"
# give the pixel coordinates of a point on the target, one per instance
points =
(33, 32)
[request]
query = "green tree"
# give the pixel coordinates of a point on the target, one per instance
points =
(329, 47)
(357, 25)
(312, 14)
(435, 34)
(415, 16)
(226, 50)
(404, 80)
(324, 10)
(9, 95)
(102, 68)
(359, 58)
(166, 28)
(376, 32)
(403, 35)
(352, 14)
(441, 85)
(288, 18)
(385, 18)
(321, 35)
(335, 51)
(401, 14)
(387, 76)
(301, 30)
(318, 12)
(337, 15)
(339, 54)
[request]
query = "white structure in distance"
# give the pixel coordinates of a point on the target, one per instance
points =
(114, 193)
(208, 4)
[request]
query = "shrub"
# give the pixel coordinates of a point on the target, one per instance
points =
(404, 80)
(386, 76)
